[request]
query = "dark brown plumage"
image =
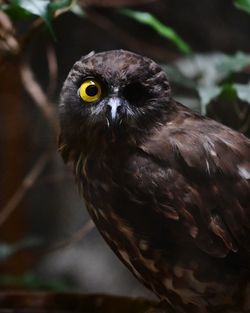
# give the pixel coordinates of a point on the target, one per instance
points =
(168, 189)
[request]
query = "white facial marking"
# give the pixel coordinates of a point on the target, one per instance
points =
(114, 103)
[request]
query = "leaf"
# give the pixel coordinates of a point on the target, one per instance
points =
(165, 31)
(207, 94)
(60, 5)
(36, 7)
(45, 9)
(177, 77)
(243, 92)
(243, 5)
(233, 64)
(15, 11)
(22, 9)
(228, 93)
(78, 10)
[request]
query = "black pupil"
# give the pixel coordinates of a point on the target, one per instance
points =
(91, 90)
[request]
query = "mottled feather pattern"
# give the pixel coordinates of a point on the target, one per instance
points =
(168, 189)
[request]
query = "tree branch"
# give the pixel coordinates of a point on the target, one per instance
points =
(39, 97)
(26, 184)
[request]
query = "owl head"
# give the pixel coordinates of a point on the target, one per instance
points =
(112, 91)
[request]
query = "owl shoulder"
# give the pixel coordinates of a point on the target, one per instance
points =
(206, 170)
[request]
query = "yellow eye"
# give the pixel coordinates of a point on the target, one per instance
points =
(90, 91)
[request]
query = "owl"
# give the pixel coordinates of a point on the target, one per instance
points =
(168, 189)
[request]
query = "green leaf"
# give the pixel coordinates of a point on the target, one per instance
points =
(60, 4)
(165, 31)
(45, 9)
(228, 93)
(22, 9)
(243, 5)
(15, 11)
(39, 8)
(35, 7)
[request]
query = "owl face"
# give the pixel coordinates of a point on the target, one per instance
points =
(113, 90)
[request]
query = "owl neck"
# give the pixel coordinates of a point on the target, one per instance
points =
(100, 141)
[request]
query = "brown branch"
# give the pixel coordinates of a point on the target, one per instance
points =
(76, 237)
(53, 70)
(39, 97)
(26, 184)
(41, 101)
(8, 40)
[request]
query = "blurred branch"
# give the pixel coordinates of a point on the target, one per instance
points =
(26, 184)
(76, 237)
(42, 102)
(37, 94)
(8, 41)
(53, 70)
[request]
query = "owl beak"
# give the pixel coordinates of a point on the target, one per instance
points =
(113, 110)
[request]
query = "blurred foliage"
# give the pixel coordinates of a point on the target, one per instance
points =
(33, 281)
(213, 76)
(8, 250)
(45, 9)
(165, 31)
(243, 5)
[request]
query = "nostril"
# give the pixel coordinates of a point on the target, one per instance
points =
(108, 109)
(119, 108)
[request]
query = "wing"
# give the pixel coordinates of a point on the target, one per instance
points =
(207, 181)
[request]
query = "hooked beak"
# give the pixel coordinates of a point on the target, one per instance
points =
(113, 111)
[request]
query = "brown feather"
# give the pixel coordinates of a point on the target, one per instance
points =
(168, 189)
